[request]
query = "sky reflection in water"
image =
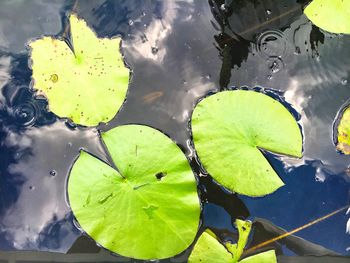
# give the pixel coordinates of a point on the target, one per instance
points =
(175, 51)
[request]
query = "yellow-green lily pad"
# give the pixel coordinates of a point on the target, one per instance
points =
(208, 249)
(343, 129)
(87, 86)
(149, 208)
(231, 128)
(330, 15)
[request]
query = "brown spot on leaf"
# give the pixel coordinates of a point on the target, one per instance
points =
(54, 78)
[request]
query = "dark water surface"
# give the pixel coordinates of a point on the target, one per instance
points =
(179, 51)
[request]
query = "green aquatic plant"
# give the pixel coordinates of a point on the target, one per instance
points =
(343, 131)
(231, 128)
(149, 207)
(144, 204)
(87, 83)
(330, 15)
(208, 249)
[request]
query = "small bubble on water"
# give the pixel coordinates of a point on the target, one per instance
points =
(223, 7)
(154, 50)
(268, 11)
(297, 51)
(187, 46)
(31, 187)
(269, 77)
(274, 67)
(53, 173)
(344, 82)
(275, 64)
(130, 22)
(23, 115)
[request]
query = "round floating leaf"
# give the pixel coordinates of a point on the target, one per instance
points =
(208, 249)
(229, 130)
(89, 85)
(330, 15)
(343, 144)
(150, 208)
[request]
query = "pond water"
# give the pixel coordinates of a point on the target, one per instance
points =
(179, 51)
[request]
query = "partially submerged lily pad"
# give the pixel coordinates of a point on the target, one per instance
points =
(150, 208)
(208, 249)
(89, 85)
(229, 130)
(343, 130)
(330, 15)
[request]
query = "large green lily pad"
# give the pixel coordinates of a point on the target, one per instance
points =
(330, 15)
(229, 130)
(343, 130)
(208, 249)
(89, 85)
(150, 208)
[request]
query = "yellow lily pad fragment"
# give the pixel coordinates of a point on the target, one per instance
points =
(208, 249)
(343, 144)
(330, 15)
(88, 85)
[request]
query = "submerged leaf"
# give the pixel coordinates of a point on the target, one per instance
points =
(343, 130)
(208, 249)
(89, 85)
(330, 15)
(229, 129)
(135, 212)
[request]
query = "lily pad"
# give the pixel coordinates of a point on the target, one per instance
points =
(264, 257)
(343, 130)
(89, 85)
(231, 128)
(244, 228)
(150, 208)
(330, 15)
(208, 249)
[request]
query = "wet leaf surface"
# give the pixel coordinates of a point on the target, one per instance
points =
(133, 212)
(209, 249)
(330, 15)
(230, 128)
(87, 84)
(343, 129)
